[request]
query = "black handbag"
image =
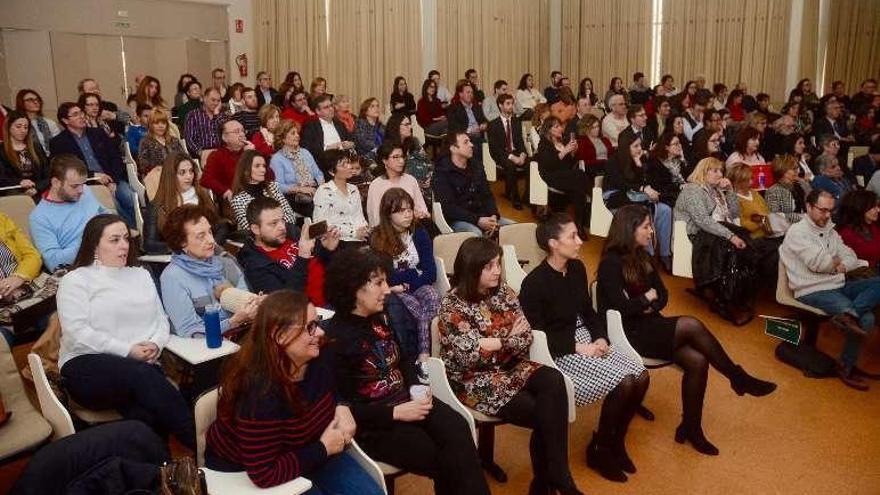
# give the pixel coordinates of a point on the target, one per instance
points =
(811, 361)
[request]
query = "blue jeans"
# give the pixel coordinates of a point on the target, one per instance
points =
(8, 336)
(857, 298)
(342, 475)
(462, 226)
(663, 228)
(405, 327)
(125, 203)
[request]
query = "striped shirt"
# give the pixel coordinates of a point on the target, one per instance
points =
(267, 439)
(203, 131)
(250, 120)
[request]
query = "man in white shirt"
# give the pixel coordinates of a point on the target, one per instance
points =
(693, 118)
(820, 269)
(490, 106)
(615, 122)
(326, 132)
(668, 83)
(443, 93)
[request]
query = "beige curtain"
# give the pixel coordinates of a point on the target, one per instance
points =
(853, 43)
(290, 36)
(602, 39)
(727, 41)
(501, 39)
(371, 43)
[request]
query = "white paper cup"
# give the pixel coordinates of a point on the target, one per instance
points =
(419, 392)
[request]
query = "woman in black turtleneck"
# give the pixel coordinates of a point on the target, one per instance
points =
(423, 436)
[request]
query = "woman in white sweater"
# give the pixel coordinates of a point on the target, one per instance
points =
(113, 331)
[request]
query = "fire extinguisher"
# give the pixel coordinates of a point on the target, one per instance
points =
(241, 62)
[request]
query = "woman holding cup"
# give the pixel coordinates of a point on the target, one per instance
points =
(399, 421)
(484, 341)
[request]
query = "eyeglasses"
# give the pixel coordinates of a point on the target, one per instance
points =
(823, 210)
(396, 157)
(75, 113)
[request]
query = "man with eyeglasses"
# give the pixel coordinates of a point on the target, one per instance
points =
(326, 132)
(58, 221)
(265, 92)
(218, 80)
(830, 178)
(220, 167)
(832, 124)
(100, 154)
(110, 112)
(638, 128)
(461, 188)
(712, 123)
(203, 124)
(825, 273)
(298, 110)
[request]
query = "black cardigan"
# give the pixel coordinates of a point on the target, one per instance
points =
(552, 302)
(613, 294)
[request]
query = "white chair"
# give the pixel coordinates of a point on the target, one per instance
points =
(18, 208)
(26, 429)
(682, 250)
(538, 192)
(104, 196)
(522, 237)
(417, 131)
(446, 247)
(785, 296)
(220, 483)
(54, 411)
(183, 145)
(138, 213)
(617, 339)
(539, 352)
(441, 283)
(853, 153)
(513, 273)
(489, 164)
(600, 215)
(132, 173)
(439, 220)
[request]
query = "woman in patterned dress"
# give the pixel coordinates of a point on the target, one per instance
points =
(555, 299)
(484, 341)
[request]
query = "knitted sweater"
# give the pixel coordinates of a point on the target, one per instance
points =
(749, 206)
(57, 227)
(807, 254)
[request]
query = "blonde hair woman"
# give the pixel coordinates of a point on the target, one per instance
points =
(158, 144)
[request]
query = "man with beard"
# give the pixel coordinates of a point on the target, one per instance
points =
(58, 221)
(271, 260)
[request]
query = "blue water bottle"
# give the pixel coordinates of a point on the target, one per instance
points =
(212, 326)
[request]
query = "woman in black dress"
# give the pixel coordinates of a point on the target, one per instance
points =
(629, 283)
(557, 165)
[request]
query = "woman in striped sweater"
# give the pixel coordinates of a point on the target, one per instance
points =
(277, 417)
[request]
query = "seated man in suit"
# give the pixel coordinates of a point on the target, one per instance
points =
(326, 132)
(638, 128)
(508, 149)
(466, 114)
(461, 188)
(101, 156)
(265, 92)
(833, 124)
(867, 164)
(58, 221)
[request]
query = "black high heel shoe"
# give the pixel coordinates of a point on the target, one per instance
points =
(743, 383)
(697, 439)
(602, 459)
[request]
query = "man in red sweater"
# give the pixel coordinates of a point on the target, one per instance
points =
(220, 167)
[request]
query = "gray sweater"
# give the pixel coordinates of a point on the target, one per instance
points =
(695, 206)
(807, 253)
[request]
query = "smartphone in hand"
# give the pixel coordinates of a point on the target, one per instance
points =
(318, 229)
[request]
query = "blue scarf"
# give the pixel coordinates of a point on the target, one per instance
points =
(211, 269)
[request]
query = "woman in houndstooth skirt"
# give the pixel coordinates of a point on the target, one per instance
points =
(555, 299)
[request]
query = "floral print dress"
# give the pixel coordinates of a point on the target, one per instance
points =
(485, 381)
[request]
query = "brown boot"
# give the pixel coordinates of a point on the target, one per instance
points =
(849, 379)
(848, 324)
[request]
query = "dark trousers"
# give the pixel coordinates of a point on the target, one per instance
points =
(109, 458)
(542, 405)
(512, 173)
(439, 447)
(405, 327)
(136, 389)
(574, 184)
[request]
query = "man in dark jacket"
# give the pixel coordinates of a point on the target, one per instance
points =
(466, 114)
(461, 188)
(508, 149)
(326, 132)
(270, 259)
(102, 158)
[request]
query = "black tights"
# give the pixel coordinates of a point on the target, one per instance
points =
(695, 349)
(620, 406)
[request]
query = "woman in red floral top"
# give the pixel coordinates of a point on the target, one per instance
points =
(485, 340)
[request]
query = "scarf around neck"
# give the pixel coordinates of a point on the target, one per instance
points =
(211, 268)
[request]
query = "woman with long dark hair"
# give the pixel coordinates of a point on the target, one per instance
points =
(555, 298)
(527, 96)
(180, 96)
(397, 423)
(399, 129)
(631, 284)
(278, 417)
(484, 341)
(369, 132)
(22, 161)
(557, 165)
(585, 90)
(30, 102)
(251, 180)
(430, 112)
(858, 226)
(114, 331)
(667, 170)
(393, 157)
(402, 101)
(149, 92)
(413, 271)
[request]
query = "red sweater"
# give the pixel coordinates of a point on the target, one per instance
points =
(269, 441)
(587, 152)
(427, 111)
(866, 248)
(295, 115)
(262, 146)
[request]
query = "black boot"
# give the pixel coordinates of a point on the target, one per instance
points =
(694, 435)
(744, 383)
(538, 487)
(601, 458)
(620, 454)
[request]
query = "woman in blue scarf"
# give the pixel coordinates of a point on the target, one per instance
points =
(196, 275)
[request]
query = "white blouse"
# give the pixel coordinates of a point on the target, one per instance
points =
(106, 310)
(339, 210)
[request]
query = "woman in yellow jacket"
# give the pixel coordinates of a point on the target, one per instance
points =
(20, 263)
